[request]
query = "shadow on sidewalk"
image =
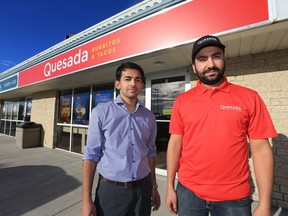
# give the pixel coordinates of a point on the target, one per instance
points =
(24, 188)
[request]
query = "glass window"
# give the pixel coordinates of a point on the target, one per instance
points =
(2, 128)
(63, 137)
(78, 103)
(4, 110)
(164, 92)
(28, 109)
(15, 109)
(21, 110)
(13, 129)
(65, 108)
(7, 127)
(81, 108)
(12, 113)
(141, 97)
(9, 109)
(79, 138)
(102, 94)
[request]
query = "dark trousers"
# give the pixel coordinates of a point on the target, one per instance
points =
(116, 200)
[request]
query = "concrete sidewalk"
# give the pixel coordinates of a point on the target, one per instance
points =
(43, 182)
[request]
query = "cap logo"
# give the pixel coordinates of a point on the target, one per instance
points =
(207, 39)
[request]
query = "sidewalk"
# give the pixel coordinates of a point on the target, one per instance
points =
(43, 182)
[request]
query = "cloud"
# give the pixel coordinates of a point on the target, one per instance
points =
(6, 63)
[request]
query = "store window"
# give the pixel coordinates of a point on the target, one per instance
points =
(65, 107)
(75, 106)
(21, 110)
(81, 108)
(28, 109)
(63, 137)
(12, 113)
(163, 92)
(102, 96)
(79, 137)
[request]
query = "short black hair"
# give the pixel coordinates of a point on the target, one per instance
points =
(128, 65)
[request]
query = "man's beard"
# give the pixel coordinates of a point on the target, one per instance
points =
(213, 80)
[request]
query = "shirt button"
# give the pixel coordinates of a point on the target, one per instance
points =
(133, 161)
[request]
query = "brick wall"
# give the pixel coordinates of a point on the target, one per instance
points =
(267, 73)
(45, 104)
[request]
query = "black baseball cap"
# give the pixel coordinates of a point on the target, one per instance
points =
(205, 41)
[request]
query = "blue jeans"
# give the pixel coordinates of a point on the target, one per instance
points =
(191, 205)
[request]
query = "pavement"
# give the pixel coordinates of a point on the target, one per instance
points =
(39, 181)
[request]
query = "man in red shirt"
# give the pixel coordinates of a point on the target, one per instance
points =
(210, 127)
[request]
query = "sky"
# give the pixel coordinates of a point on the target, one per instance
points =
(28, 27)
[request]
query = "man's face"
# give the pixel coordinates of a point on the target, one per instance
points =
(209, 66)
(130, 84)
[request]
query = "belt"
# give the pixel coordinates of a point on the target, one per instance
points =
(123, 184)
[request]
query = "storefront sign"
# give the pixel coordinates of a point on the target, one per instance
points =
(179, 25)
(9, 83)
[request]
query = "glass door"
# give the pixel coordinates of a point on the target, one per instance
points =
(162, 92)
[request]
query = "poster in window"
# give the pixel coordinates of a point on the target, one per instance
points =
(65, 108)
(101, 97)
(81, 108)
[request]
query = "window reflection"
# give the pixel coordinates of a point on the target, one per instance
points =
(79, 138)
(162, 139)
(13, 113)
(63, 137)
(164, 92)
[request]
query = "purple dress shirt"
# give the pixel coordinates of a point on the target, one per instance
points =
(121, 142)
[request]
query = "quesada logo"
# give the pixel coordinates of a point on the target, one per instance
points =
(231, 108)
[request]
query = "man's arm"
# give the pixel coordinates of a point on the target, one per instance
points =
(156, 202)
(263, 167)
(173, 157)
(88, 172)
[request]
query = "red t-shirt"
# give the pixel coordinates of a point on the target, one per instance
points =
(215, 125)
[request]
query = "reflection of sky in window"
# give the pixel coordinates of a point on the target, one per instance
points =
(168, 91)
(164, 94)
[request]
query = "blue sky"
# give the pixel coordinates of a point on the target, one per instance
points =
(28, 27)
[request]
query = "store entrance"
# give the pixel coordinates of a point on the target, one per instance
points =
(163, 92)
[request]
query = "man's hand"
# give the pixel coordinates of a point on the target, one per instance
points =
(259, 211)
(155, 200)
(171, 201)
(88, 208)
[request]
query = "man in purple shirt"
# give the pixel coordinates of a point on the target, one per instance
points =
(121, 145)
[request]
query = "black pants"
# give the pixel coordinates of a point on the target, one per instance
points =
(116, 200)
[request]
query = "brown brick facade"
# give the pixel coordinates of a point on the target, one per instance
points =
(44, 112)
